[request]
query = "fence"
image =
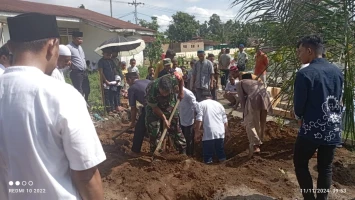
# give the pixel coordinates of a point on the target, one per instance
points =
(215, 52)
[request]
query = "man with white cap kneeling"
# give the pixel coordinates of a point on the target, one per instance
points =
(64, 61)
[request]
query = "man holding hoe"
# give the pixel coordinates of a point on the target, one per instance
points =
(161, 100)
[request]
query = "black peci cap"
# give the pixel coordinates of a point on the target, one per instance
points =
(32, 26)
(77, 34)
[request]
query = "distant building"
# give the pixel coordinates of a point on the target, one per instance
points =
(193, 45)
(96, 27)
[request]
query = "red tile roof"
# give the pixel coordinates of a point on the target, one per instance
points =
(148, 39)
(17, 6)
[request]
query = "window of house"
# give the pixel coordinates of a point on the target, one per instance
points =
(65, 34)
(192, 46)
(184, 46)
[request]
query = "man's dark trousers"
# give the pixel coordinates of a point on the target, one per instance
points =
(189, 135)
(224, 77)
(80, 81)
(304, 150)
(139, 132)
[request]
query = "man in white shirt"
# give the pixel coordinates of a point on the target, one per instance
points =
(215, 127)
(64, 61)
(48, 141)
(5, 58)
(242, 58)
(187, 108)
(231, 92)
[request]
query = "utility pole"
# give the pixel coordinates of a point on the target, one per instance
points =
(135, 4)
(111, 7)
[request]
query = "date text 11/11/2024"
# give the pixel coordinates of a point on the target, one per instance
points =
(320, 191)
(27, 191)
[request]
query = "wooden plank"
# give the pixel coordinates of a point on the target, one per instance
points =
(274, 92)
(283, 113)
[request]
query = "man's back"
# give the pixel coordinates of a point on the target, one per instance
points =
(318, 91)
(213, 115)
(137, 91)
(45, 131)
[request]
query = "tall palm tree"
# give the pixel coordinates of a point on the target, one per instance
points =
(288, 20)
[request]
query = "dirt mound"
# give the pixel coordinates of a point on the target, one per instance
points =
(269, 174)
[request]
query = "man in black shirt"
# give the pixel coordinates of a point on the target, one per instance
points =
(107, 72)
(136, 92)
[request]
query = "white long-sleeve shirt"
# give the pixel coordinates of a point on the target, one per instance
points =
(57, 74)
(213, 116)
(2, 69)
(187, 108)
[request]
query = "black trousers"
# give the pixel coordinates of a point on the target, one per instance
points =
(109, 100)
(139, 132)
(304, 150)
(117, 96)
(224, 77)
(189, 135)
(214, 93)
(80, 81)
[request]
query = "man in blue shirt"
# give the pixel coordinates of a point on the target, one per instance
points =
(317, 105)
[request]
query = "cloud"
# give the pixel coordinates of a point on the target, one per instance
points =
(192, 0)
(203, 14)
(164, 21)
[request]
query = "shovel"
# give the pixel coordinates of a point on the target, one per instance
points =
(166, 128)
(120, 133)
(156, 153)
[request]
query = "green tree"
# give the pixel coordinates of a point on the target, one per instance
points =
(204, 32)
(151, 25)
(82, 6)
(154, 50)
(183, 28)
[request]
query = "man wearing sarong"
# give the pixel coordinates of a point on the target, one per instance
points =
(255, 103)
(161, 99)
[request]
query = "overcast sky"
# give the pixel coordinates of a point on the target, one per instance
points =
(163, 9)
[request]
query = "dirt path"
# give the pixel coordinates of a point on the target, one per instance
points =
(269, 175)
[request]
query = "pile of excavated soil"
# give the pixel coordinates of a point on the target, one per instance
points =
(268, 175)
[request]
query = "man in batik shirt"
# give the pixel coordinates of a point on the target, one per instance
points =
(161, 98)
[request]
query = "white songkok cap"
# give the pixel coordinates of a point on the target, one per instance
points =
(64, 50)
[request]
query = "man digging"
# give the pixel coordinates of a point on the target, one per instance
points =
(137, 92)
(255, 103)
(161, 100)
(212, 115)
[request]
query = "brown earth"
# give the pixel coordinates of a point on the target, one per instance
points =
(269, 175)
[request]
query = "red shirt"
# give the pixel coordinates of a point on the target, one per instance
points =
(261, 62)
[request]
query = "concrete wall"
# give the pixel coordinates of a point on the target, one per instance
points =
(93, 37)
(194, 53)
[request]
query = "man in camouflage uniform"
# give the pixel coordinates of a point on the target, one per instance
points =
(161, 98)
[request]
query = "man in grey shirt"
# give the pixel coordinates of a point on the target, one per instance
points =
(202, 77)
(78, 74)
(224, 63)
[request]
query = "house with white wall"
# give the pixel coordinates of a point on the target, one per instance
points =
(96, 27)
